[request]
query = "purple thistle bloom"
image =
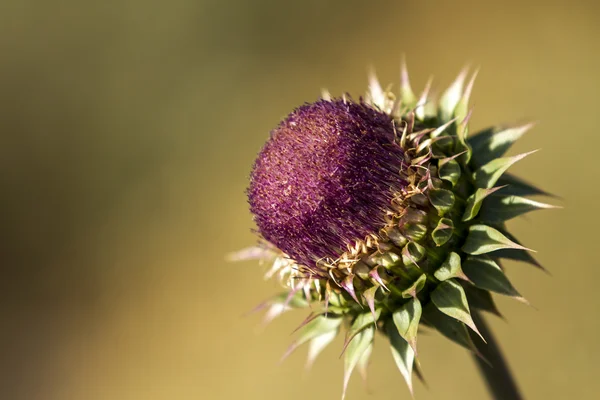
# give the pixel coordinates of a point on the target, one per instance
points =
(376, 231)
(325, 179)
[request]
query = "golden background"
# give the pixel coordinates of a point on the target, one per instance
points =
(128, 129)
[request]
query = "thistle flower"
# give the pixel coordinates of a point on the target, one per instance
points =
(383, 214)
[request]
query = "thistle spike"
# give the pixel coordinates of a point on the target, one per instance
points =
(475, 201)
(316, 327)
(462, 108)
(273, 312)
(355, 351)
(375, 91)
(369, 296)
(442, 128)
(348, 285)
(406, 321)
(311, 317)
(403, 355)
(502, 208)
(361, 323)
(407, 96)
(325, 95)
(486, 274)
(377, 278)
(487, 175)
(423, 100)
(493, 143)
(317, 345)
(484, 239)
(452, 95)
(451, 268)
(450, 298)
(363, 363)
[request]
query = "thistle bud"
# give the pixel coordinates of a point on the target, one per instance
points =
(385, 214)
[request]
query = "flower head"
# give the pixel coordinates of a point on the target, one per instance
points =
(326, 179)
(385, 214)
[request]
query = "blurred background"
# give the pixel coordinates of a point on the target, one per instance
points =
(127, 133)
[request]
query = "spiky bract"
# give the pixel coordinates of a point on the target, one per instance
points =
(385, 214)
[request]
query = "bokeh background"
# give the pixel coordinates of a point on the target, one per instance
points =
(127, 132)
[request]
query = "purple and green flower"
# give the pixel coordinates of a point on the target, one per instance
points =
(384, 214)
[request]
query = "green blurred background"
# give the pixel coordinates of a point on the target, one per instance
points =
(128, 129)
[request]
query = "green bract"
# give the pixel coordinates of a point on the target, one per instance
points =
(434, 262)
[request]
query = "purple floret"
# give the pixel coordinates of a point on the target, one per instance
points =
(325, 179)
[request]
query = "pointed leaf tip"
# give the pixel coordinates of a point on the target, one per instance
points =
(279, 304)
(406, 319)
(363, 362)
(316, 327)
(501, 208)
(487, 175)
(415, 287)
(307, 320)
(325, 95)
(354, 352)
(493, 142)
(442, 128)
(450, 298)
(475, 201)
(419, 373)
(403, 355)
(461, 111)
(348, 285)
(449, 170)
(442, 199)
(361, 322)
(375, 91)
(486, 274)
(369, 296)
(420, 110)
(443, 231)
(317, 345)
(450, 268)
(412, 253)
(484, 239)
(452, 95)
(450, 327)
(407, 97)
(374, 274)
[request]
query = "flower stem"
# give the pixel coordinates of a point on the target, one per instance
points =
(494, 368)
